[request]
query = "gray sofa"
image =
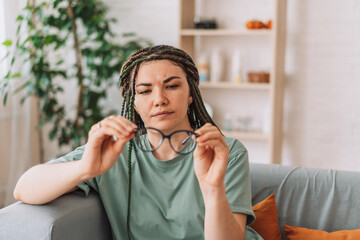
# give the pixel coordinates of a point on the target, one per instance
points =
(312, 198)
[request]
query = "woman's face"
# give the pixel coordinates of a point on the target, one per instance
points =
(162, 96)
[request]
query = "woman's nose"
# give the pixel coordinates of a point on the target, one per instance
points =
(160, 99)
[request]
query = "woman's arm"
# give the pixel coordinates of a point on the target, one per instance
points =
(220, 222)
(43, 183)
(210, 163)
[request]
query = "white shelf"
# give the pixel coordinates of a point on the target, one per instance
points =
(194, 41)
(223, 32)
(230, 85)
(246, 135)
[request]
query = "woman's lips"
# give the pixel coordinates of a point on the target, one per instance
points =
(162, 114)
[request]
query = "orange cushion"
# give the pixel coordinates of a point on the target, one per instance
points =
(297, 233)
(266, 223)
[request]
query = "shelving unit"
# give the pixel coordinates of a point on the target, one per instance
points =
(223, 32)
(230, 85)
(189, 41)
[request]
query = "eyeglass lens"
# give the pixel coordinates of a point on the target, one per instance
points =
(149, 139)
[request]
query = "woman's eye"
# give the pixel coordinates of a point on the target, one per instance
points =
(173, 86)
(144, 92)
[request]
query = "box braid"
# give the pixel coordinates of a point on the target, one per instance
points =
(197, 113)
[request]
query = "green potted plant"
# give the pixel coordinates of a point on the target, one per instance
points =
(54, 30)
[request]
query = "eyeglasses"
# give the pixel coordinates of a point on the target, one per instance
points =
(149, 139)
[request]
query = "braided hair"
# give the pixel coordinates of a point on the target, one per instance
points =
(197, 113)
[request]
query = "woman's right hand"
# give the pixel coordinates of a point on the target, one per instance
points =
(102, 151)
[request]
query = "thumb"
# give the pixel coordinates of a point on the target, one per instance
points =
(199, 151)
(119, 144)
(201, 161)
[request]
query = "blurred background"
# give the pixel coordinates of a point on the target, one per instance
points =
(320, 109)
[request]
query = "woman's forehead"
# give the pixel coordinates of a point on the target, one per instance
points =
(159, 69)
(159, 63)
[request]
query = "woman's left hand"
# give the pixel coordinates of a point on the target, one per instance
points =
(210, 156)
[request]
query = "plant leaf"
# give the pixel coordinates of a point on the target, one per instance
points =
(7, 54)
(53, 132)
(16, 75)
(7, 43)
(20, 18)
(22, 87)
(5, 98)
(59, 62)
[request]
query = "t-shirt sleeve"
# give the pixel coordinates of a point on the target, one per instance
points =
(75, 156)
(238, 181)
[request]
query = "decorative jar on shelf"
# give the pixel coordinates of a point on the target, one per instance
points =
(236, 67)
(203, 68)
(259, 77)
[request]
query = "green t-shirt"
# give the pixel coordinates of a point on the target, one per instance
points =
(166, 201)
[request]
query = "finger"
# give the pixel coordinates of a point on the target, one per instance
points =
(119, 122)
(199, 150)
(119, 144)
(211, 134)
(98, 136)
(220, 153)
(202, 161)
(95, 126)
(207, 128)
(120, 125)
(216, 145)
(204, 127)
(125, 122)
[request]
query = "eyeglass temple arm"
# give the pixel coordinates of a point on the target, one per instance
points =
(185, 140)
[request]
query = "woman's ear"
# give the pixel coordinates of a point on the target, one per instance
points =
(190, 100)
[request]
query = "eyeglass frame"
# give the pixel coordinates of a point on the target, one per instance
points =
(163, 136)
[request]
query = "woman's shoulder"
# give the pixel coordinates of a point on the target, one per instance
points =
(237, 152)
(235, 145)
(71, 156)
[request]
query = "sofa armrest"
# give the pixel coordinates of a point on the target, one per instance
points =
(72, 216)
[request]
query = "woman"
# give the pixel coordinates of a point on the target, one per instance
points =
(178, 178)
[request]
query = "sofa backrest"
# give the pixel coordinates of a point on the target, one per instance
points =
(312, 198)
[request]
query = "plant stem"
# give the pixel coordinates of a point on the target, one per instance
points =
(37, 100)
(79, 75)
(41, 141)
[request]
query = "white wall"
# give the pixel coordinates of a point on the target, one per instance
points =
(322, 98)
(322, 110)
(156, 20)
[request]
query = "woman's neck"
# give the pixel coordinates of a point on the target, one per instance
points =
(164, 152)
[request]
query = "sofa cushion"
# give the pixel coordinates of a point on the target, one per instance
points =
(322, 199)
(299, 233)
(266, 222)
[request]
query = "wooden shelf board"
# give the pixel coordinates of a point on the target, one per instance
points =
(223, 32)
(246, 135)
(230, 85)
